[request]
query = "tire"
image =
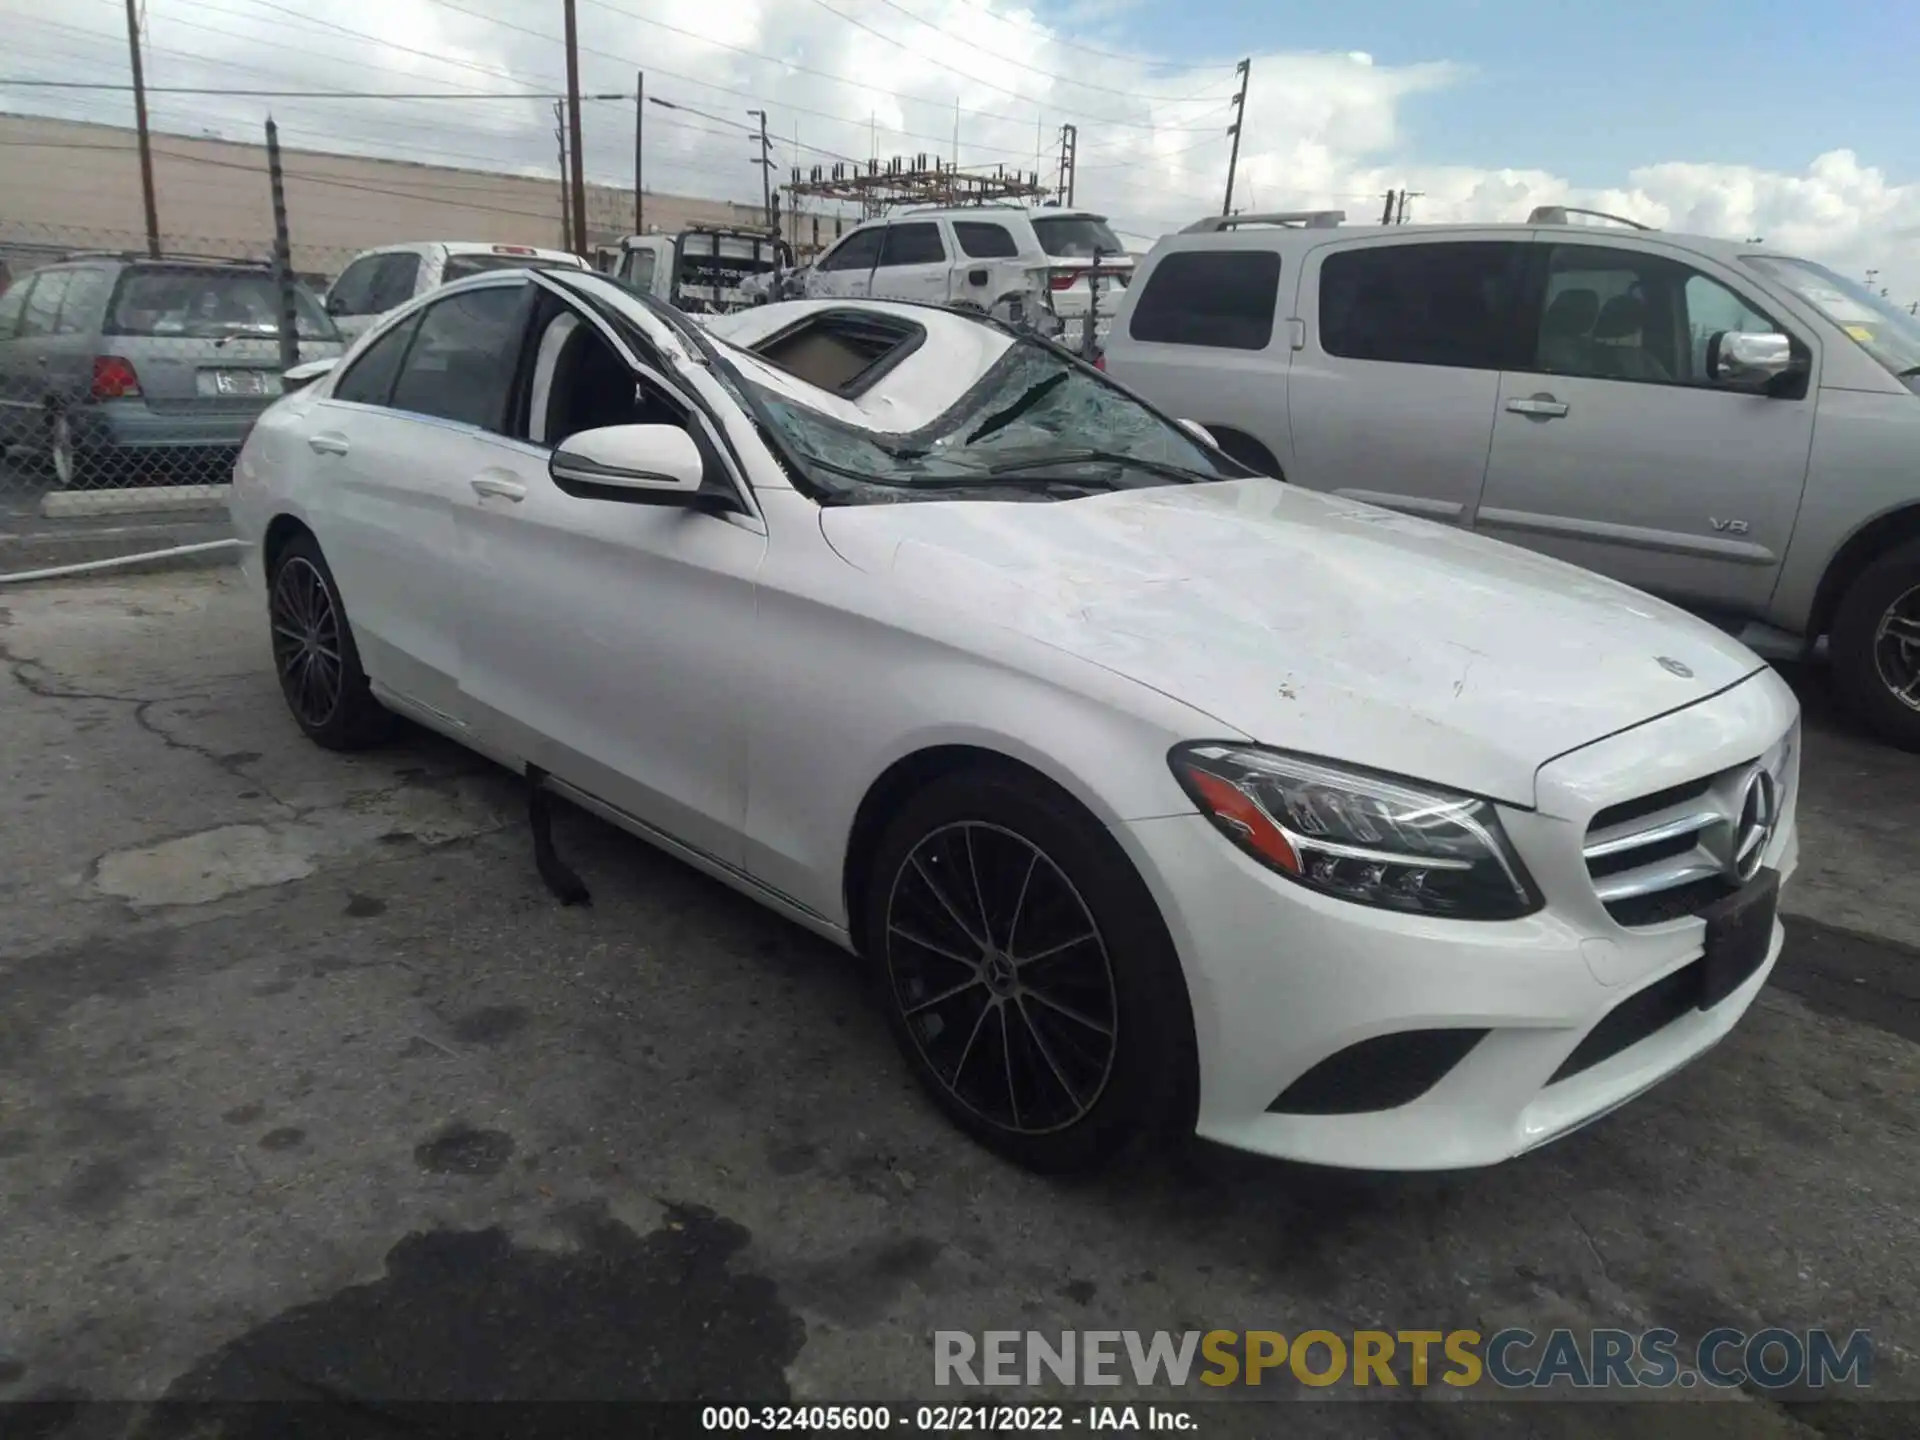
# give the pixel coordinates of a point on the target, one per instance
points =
(63, 457)
(314, 656)
(1075, 1052)
(1874, 645)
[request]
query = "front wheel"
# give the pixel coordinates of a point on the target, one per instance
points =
(1026, 973)
(1875, 646)
(314, 654)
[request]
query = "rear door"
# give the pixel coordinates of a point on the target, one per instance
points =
(1391, 397)
(913, 264)
(20, 415)
(35, 380)
(396, 442)
(1612, 448)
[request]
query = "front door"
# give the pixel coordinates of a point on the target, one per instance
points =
(845, 270)
(1614, 449)
(601, 637)
(1391, 397)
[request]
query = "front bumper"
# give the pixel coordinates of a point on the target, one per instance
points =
(1282, 978)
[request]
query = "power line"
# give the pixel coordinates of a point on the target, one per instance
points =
(1004, 59)
(1061, 40)
(230, 93)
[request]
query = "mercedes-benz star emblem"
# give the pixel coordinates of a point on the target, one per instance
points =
(1674, 667)
(1759, 813)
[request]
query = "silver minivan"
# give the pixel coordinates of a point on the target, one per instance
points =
(106, 360)
(1729, 427)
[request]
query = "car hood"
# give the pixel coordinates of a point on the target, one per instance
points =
(1314, 623)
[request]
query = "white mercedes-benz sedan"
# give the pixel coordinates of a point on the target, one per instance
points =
(1157, 796)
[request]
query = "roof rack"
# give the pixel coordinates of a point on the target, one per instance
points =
(1557, 215)
(1299, 219)
(141, 256)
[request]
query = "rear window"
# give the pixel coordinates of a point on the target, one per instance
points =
(1219, 299)
(459, 267)
(1076, 236)
(209, 304)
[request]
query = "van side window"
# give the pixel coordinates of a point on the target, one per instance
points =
(1443, 303)
(915, 244)
(1219, 299)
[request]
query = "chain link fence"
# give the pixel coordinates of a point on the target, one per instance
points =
(128, 383)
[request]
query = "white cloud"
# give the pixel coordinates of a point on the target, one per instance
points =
(1321, 129)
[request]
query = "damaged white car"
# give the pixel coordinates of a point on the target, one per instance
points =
(1157, 796)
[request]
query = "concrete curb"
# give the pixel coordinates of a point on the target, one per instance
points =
(148, 500)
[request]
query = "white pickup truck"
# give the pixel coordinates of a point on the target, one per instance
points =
(703, 270)
(376, 281)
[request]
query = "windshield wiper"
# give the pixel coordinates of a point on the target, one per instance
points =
(1035, 393)
(1101, 457)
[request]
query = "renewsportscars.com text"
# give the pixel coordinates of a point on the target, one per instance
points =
(1511, 1359)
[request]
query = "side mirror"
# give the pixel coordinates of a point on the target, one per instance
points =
(336, 306)
(652, 464)
(1200, 433)
(1748, 359)
(305, 373)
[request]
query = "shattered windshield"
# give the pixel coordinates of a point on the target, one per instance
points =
(1035, 425)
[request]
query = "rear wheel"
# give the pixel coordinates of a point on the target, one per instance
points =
(60, 450)
(314, 654)
(1026, 973)
(1875, 646)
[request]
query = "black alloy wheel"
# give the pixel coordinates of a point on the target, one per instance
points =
(314, 655)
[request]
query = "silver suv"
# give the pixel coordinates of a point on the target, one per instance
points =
(980, 257)
(103, 358)
(1640, 403)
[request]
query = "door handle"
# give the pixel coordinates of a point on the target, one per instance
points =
(1541, 407)
(505, 489)
(327, 444)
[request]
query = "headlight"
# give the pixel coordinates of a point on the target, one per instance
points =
(1371, 838)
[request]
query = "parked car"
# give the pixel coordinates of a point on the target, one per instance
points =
(704, 270)
(105, 357)
(1158, 795)
(992, 258)
(1640, 403)
(375, 281)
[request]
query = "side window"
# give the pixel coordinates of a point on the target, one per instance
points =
(85, 300)
(1711, 308)
(1449, 303)
(394, 280)
(982, 241)
(463, 357)
(640, 265)
(1611, 313)
(1220, 299)
(12, 301)
(857, 252)
(43, 305)
(352, 293)
(369, 380)
(915, 244)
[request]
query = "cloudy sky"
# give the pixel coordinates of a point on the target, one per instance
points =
(1795, 123)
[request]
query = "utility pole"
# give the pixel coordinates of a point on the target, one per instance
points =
(578, 170)
(765, 162)
(566, 201)
(140, 120)
(1406, 195)
(639, 129)
(1069, 153)
(1244, 72)
(1386, 215)
(282, 254)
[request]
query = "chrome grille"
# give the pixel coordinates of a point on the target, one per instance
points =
(1666, 855)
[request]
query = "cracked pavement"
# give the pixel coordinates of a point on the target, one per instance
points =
(302, 1072)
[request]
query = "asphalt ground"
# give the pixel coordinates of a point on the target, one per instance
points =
(309, 1088)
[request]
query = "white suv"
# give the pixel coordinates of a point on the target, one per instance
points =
(1640, 403)
(375, 281)
(978, 257)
